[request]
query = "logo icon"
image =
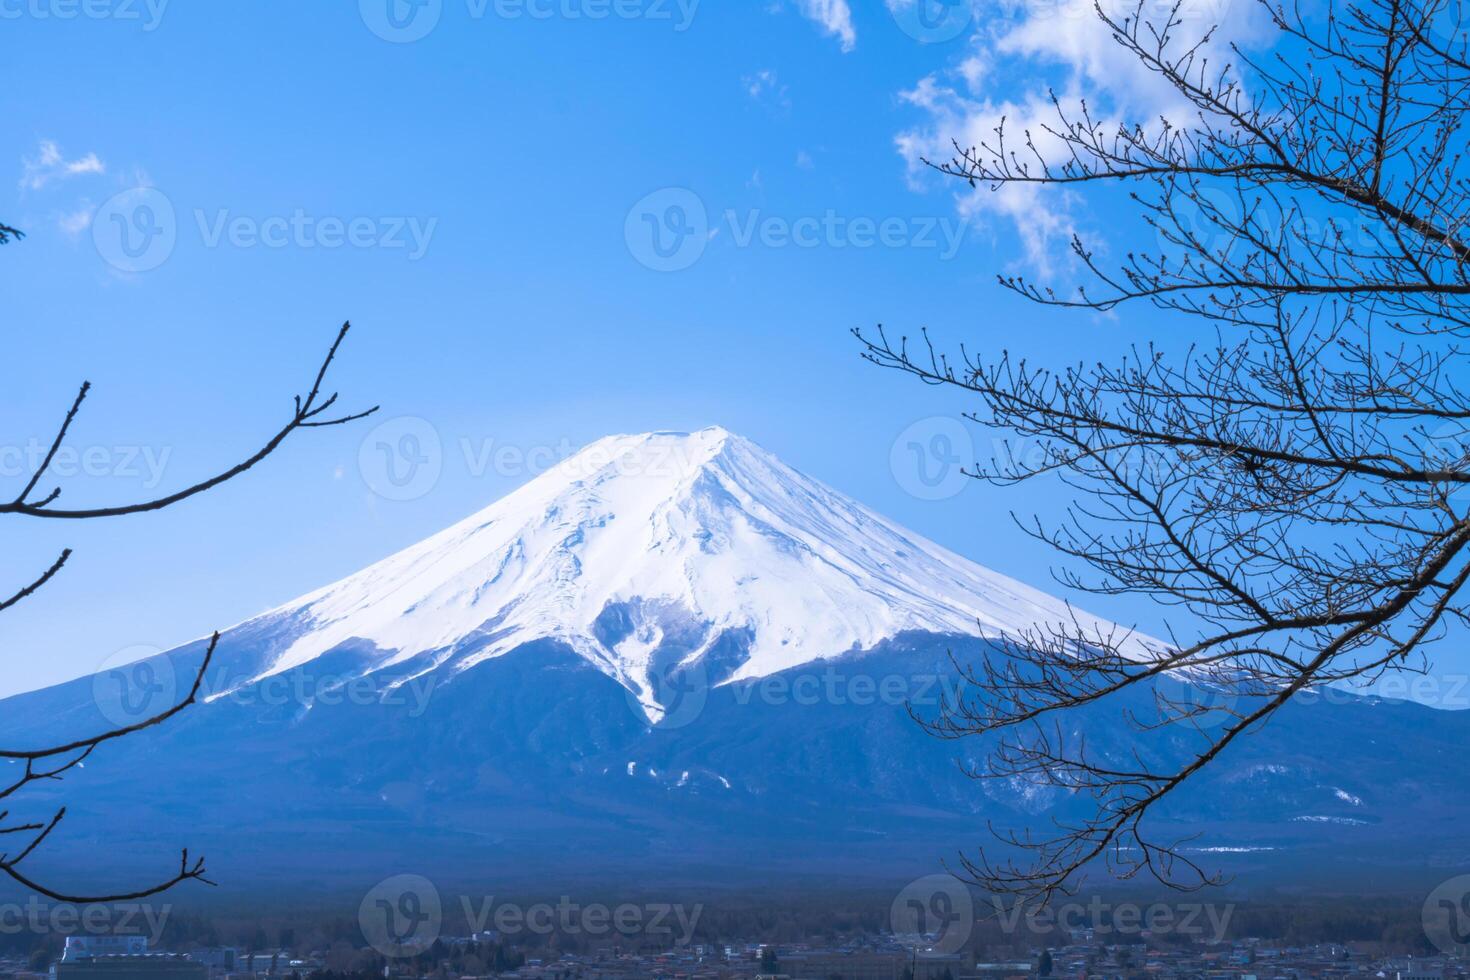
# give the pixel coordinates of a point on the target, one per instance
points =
(401, 21)
(680, 689)
(401, 916)
(1446, 916)
(1197, 702)
(401, 459)
(1448, 449)
(933, 21)
(136, 230)
(668, 230)
(928, 458)
(1205, 219)
(134, 684)
(937, 911)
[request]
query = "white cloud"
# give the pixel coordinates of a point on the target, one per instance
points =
(1019, 52)
(834, 17)
(73, 223)
(50, 164)
(1040, 216)
(764, 86)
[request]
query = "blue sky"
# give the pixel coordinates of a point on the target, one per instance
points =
(477, 202)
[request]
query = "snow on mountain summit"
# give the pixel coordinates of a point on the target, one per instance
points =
(646, 551)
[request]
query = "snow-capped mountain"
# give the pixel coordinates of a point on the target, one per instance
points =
(672, 658)
(644, 553)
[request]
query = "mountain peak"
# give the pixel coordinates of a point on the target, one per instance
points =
(642, 552)
(659, 453)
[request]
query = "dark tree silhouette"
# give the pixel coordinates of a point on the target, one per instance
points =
(310, 411)
(1295, 480)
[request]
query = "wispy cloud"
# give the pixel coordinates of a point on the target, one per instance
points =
(1019, 54)
(1043, 221)
(73, 223)
(765, 86)
(834, 17)
(50, 164)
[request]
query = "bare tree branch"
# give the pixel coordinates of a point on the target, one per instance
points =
(308, 413)
(1294, 481)
(52, 762)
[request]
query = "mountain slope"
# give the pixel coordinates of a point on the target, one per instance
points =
(671, 658)
(644, 553)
